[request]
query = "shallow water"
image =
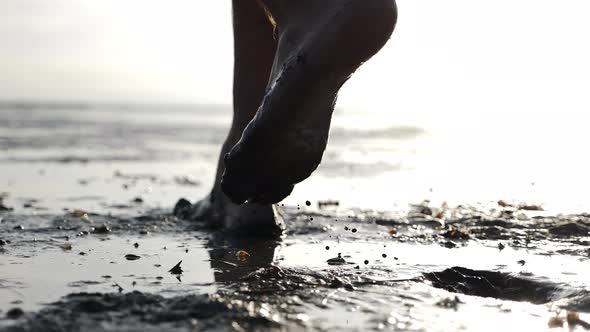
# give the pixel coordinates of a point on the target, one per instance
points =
(429, 266)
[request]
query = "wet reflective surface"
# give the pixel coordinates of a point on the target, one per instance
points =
(91, 245)
(419, 277)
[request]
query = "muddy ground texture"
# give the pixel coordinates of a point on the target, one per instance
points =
(257, 288)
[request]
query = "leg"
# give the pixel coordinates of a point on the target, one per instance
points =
(320, 44)
(254, 50)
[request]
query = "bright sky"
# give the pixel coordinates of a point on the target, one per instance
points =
(474, 59)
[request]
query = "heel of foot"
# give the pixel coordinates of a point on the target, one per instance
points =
(250, 219)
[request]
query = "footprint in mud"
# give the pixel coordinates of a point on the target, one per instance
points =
(499, 285)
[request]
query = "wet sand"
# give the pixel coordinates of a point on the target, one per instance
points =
(87, 243)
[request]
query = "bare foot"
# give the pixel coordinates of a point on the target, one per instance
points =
(253, 220)
(320, 44)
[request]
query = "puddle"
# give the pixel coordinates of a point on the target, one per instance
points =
(45, 272)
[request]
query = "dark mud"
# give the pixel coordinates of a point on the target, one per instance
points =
(389, 275)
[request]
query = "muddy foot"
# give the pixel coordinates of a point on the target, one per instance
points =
(250, 219)
(320, 46)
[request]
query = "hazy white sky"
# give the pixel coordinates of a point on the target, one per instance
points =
(474, 59)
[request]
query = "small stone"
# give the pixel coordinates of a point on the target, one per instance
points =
(308, 203)
(241, 255)
(103, 229)
(337, 260)
(18, 228)
(384, 255)
(353, 230)
(79, 213)
(555, 322)
(136, 245)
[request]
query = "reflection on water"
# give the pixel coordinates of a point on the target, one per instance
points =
(384, 165)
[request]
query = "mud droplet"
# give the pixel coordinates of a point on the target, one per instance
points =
(353, 230)
(132, 257)
(384, 255)
(366, 261)
(14, 313)
(522, 262)
(327, 247)
(136, 245)
(308, 203)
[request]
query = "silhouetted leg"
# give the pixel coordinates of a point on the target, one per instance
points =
(254, 51)
(320, 44)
